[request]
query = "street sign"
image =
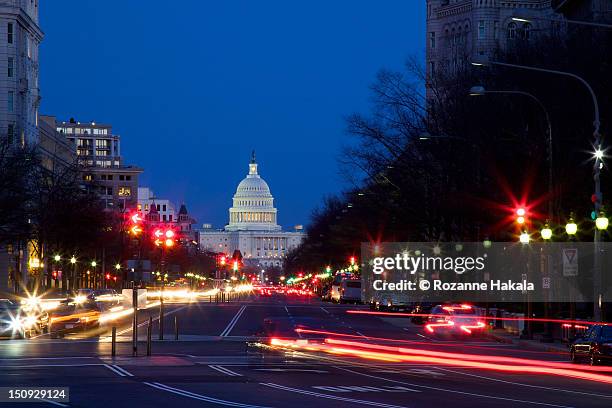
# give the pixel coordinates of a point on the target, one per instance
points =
(546, 282)
(570, 262)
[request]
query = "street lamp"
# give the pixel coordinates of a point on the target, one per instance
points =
(597, 268)
(73, 260)
(524, 237)
(546, 233)
(571, 228)
(481, 91)
(118, 266)
(94, 263)
(57, 258)
(602, 221)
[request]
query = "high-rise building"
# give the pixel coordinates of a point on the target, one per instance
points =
(20, 37)
(99, 154)
(461, 31)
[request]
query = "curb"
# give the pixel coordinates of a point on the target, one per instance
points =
(528, 344)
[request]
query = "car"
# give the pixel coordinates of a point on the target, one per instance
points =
(108, 297)
(19, 322)
(418, 310)
(595, 346)
(455, 319)
(72, 316)
(349, 291)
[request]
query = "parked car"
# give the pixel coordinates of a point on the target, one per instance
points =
(72, 316)
(595, 346)
(349, 291)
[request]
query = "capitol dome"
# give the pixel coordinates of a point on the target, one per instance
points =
(253, 205)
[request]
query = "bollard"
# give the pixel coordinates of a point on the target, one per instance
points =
(114, 342)
(161, 321)
(149, 332)
(175, 327)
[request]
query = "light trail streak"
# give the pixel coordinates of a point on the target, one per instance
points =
(531, 319)
(361, 350)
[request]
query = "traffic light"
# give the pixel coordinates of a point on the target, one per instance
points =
(235, 266)
(108, 276)
(135, 224)
(54, 274)
(164, 237)
(521, 214)
(352, 260)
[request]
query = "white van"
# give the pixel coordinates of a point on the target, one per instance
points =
(350, 291)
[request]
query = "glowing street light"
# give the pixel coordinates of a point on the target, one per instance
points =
(94, 263)
(571, 228)
(546, 232)
(602, 221)
(524, 237)
(57, 258)
(73, 260)
(118, 266)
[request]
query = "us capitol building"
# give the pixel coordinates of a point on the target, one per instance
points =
(252, 228)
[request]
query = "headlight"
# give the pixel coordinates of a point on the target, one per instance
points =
(21, 324)
(16, 324)
(80, 299)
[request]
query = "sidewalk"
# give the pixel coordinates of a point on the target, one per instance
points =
(503, 336)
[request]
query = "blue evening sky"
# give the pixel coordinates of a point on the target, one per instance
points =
(192, 86)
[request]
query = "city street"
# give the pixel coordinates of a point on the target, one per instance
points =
(223, 358)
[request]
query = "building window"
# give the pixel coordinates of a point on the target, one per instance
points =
(10, 33)
(496, 30)
(128, 178)
(109, 177)
(146, 207)
(170, 217)
(526, 31)
(139, 207)
(432, 40)
(481, 29)
(11, 101)
(11, 67)
(511, 31)
(164, 217)
(103, 177)
(109, 191)
(121, 177)
(87, 177)
(164, 207)
(11, 134)
(124, 191)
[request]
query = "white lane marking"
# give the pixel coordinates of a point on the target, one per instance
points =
(456, 391)
(123, 370)
(233, 322)
(325, 310)
(527, 385)
(364, 388)
(114, 370)
(225, 371)
(59, 404)
(200, 397)
(293, 370)
(287, 310)
(361, 334)
(334, 397)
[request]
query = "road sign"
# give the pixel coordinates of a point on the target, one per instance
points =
(570, 262)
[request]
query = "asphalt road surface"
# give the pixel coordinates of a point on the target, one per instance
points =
(222, 358)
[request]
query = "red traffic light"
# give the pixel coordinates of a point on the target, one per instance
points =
(54, 274)
(223, 260)
(352, 260)
(108, 276)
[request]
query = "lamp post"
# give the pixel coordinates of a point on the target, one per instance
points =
(74, 276)
(598, 156)
(95, 277)
(481, 91)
